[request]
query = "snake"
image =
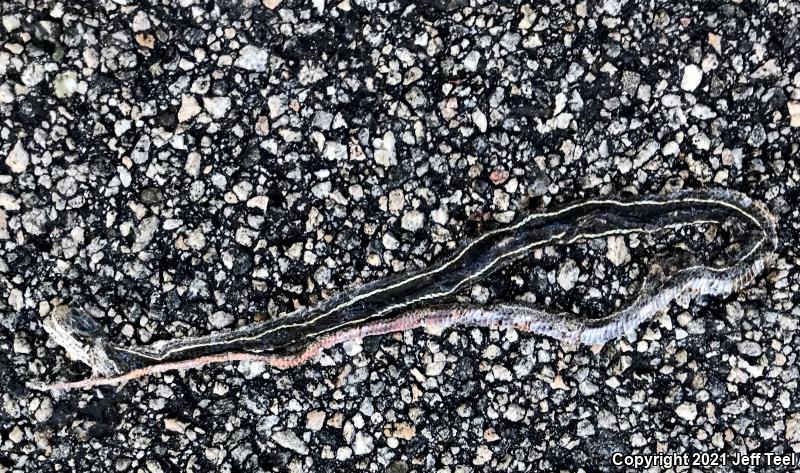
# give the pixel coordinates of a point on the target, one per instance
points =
(427, 297)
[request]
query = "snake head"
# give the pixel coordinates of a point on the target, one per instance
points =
(82, 338)
(79, 323)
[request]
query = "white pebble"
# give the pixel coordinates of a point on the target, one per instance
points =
(259, 202)
(141, 22)
(617, 252)
(412, 221)
(217, 106)
(220, 319)
(65, 84)
(687, 411)
(479, 119)
(568, 274)
(385, 154)
(252, 58)
(692, 76)
(794, 113)
(364, 444)
(288, 439)
(17, 159)
(189, 108)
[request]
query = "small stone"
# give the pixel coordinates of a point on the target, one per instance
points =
(630, 82)
(686, 411)
(15, 48)
(793, 428)
(479, 119)
(334, 151)
(701, 141)
(174, 425)
(585, 428)
(638, 440)
(262, 126)
(288, 439)
(8, 201)
(33, 74)
(67, 186)
(482, 455)
(749, 348)
(322, 120)
(321, 190)
(434, 368)
(216, 106)
(703, 112)
(140, 22)
(196, 239)
(671, 100)
(121, 127)
(757, 136)
(315, 420)
(588, 388)
(736, 407)
(141, 151)
(396, 200)
(715, 41)
(390, 242)
(491, 352)
(568, 274)
(671, 149)
(65, 84)
(10, 23)
(617, 252)
(385, 154)
(501, 373)
(769, 69)
(322, 276)
(16, 434)
(344, 453)
(498, 176)
(144, 233)
(558, 383)
(514, 413)
(242, 190)
(364, 444)
(412, 221)
(145, 40)
(189, 108)
(17, 159)
(220, 319)
(471, 61)
(794, 114)
(404, 431)
(259, 202)
(252, 58)
(6, 95)
(21, 345)
(192, 165)
(44, 411)
(449, 108)
(153, 467)
(16, 299)
(271, 4)
(252, 369)
(692, 76)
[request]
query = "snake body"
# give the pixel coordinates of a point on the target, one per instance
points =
(420, 298)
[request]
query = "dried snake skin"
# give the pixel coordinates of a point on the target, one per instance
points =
(420, 298)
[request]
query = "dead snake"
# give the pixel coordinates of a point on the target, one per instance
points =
(419, 298)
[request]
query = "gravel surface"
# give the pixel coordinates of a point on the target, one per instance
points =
(181, 169)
